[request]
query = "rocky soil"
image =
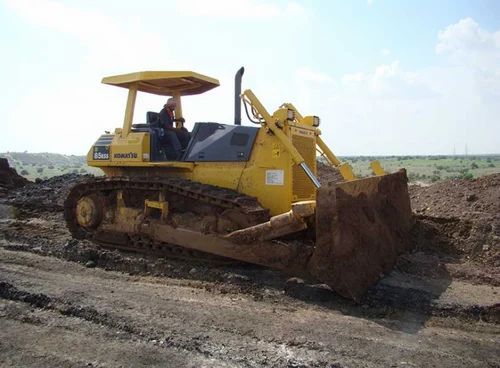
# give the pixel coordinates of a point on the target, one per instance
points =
(69, 303)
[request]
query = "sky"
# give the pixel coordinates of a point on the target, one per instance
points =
(386, 77)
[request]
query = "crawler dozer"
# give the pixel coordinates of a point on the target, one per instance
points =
(241, 192)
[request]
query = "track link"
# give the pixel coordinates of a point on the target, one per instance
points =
(216, 197)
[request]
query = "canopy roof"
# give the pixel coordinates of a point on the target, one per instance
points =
(165, 83)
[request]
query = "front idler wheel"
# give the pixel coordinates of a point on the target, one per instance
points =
(89, 211)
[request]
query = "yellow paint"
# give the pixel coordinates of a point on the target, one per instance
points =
(377, 168)
(182, 83)
(129, 111)
(272, 173)
(276, 150)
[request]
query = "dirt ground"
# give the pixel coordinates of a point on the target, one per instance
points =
(69, 303)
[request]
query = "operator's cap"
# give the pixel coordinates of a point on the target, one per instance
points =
(171, 101)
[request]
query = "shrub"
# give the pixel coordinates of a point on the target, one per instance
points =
(51, 167)
(474, 166)
(39, 170)
(24, 172)
(82, 171)
(491, 165)
(467, 176)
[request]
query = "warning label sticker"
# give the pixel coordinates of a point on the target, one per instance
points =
(275, 177)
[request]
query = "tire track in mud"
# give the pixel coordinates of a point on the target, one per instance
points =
(197, 344)
(217, 333)
(383, 299)
(38, 300)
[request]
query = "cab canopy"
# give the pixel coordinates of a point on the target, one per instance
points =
(172, 83)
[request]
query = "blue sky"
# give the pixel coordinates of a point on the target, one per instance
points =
(386, 77)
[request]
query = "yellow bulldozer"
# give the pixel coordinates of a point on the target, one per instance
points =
(242, 192)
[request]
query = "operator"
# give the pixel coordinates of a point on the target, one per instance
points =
(167, 120)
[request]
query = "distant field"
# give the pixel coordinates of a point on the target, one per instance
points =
(424, 169)
(431, 168)
(47, 165)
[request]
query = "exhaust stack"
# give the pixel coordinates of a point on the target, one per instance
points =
(237, 93)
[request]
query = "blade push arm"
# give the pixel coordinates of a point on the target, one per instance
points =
(344, 168)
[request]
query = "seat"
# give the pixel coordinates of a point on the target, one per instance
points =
(153, 118)
(164, 145)
(152, 126)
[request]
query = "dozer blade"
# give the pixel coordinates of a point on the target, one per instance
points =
(361, 228)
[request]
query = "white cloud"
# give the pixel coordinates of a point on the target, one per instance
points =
(106, 40)
(386, 81)
(353, 78)
(307, 74)
(385, 52)
(427, 110)
(86, 25)
(370, 2)
(466, 43)
(476, 52)
(253, 9)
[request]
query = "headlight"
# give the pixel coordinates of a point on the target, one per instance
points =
(290, 115)
(316, 121)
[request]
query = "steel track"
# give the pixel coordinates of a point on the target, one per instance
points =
(216, 197)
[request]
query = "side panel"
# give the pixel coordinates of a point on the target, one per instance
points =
(117, 151)
(268, 174)
(222, 174)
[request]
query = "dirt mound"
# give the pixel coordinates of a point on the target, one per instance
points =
(45, 195)
(9, 178)
(460, 219)
(465, 199)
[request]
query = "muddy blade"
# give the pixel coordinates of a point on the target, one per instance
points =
(361, 228)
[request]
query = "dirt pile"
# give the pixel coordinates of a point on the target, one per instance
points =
(460, 198)
(9, 178)
(45, 195)
(461, 218)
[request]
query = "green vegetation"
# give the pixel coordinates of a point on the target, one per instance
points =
(427, 169)
(47, 165)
